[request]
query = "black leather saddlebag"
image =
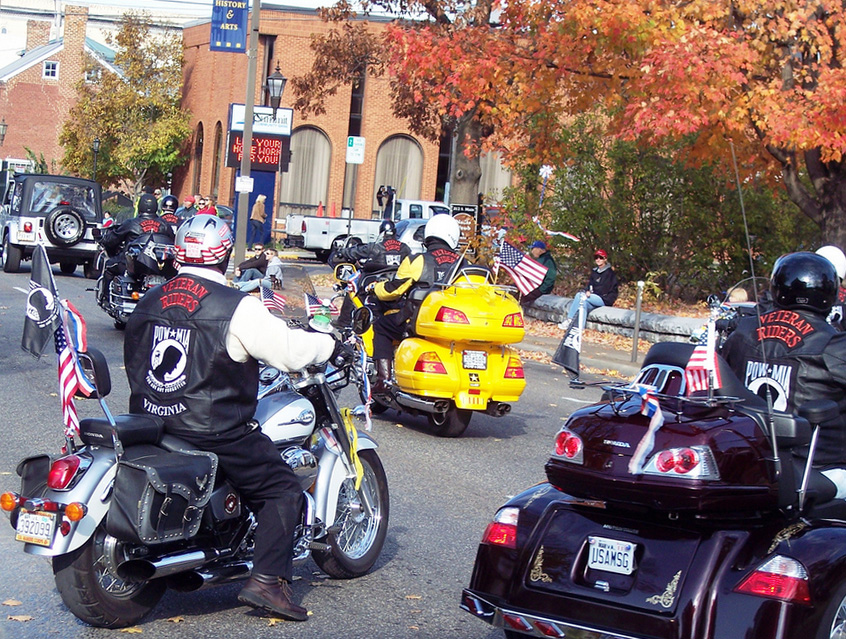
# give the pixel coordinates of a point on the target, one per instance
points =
(159, 496)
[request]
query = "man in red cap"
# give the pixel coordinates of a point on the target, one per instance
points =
(601, 289)
(187, 210)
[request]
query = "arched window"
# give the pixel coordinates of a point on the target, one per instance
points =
(399, 163)
(198, 158)
(495, 177)
(306, 184)
(217, 159)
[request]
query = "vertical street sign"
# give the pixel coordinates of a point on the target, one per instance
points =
(355, 150)
(229, 26)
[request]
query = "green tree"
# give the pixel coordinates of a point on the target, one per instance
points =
(658, 216)
(135, 113)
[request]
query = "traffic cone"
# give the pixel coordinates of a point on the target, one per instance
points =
(332, 210)
(320, 209)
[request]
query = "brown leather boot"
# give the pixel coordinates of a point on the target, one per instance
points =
(383, 377)
(272, 594)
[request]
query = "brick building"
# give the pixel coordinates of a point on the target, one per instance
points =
(318, 173)
(38, 89)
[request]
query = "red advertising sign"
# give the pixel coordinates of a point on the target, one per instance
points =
(266, 152)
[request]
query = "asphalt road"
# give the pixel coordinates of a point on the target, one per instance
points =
(443, 493)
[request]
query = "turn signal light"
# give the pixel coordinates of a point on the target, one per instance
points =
(502, 531)
(62, 472)
(75, 511)
(10, 501)
(514, 320)
(430, 363)
(514, 370)
(451, 316)
(780, 578)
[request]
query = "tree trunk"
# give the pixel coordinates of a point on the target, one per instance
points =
(466, 171)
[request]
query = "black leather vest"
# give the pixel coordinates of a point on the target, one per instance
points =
(176, 359)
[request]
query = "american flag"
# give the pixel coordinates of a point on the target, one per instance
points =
(703, 363)
(526, 272)
(650, 407)
(272, 300)
(352, 283)
(71, 378)
(316, 306)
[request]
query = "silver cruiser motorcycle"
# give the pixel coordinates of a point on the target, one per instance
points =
(132, 511)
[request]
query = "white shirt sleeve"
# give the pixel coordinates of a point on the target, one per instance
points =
(255, 332)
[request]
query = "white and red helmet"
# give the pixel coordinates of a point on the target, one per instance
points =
(204, 240)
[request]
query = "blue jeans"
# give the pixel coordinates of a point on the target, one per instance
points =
(249, 274)
(591, 302)
(251, 285)
(256, 231)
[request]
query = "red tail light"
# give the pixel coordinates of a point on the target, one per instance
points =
(515, 320)
(569, 446)
(62, 472)
(780, 578)
(430, 363)
(451, 316)
(304, 228)
(27, 227)
(502, 531)
(694, 462)
(514, 369)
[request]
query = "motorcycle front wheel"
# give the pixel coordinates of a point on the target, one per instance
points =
(356, 538)
(89, 585)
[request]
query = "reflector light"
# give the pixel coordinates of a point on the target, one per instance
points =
(514, 369)
(27, 227)
(549, 629)
(10, 501)
(780, 578)
(135, 296)
(692, 462)
(569, 446)
(514, 320)
(430, 363)
(517, 622)
(502, 531)
(62, 472)
(451, 316)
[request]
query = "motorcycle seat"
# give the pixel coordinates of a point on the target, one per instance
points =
(131, 430)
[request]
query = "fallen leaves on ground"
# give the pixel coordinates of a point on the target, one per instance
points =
(12, 602)
(20, 618)
(133, 630)
(176, 619)
(611, 340)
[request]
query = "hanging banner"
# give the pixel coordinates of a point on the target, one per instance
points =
(229, 26)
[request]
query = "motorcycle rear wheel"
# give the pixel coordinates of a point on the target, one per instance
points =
(89, 585)
(451, 423)
(358, 539)
(833, 624)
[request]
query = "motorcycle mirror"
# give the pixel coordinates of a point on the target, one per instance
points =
(713, 300)
(362, 319)
(343, 272)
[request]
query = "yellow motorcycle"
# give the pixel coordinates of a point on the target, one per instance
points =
(455, 358)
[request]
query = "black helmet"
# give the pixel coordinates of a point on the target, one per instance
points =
(169, 204)
(147, 206)
(804, 281)
(387, 227)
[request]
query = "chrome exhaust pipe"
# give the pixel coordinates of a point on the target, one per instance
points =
(498, 409)
(165, 566)
(421, 403)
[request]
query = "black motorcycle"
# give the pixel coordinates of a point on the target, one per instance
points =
(148, 261)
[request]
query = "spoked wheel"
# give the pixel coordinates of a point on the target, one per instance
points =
(451, 423)
(358, 538)
(89, 585)
(833, 624)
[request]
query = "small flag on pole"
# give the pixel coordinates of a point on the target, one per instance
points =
(272, 300)
(526, 272)
(702, 371)
(650, 407)
(317, 306)
(42, 306)
(569, 349)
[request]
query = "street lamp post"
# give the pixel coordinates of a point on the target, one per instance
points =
(96, 148)
(3, 128)
(276, 86)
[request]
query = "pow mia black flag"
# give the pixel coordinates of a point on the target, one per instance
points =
(42, 306)
(570, 348)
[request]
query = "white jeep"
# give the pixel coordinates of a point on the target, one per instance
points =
(56, 211)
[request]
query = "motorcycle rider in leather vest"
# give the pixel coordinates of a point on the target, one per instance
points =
(795, 354)
(191, 352)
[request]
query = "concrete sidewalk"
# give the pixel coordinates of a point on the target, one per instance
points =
(595, 356)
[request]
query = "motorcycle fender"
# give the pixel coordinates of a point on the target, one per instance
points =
(95, 491)
(330, 477)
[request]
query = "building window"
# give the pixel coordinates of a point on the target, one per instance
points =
(92, 75)
(51, 69)
(198, 159)
(307, 180)
(216, 162)
(399, 163)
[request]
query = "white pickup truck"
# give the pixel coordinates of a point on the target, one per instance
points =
(322, 234)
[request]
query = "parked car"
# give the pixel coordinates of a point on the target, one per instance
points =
(410, 232)
(57, 212)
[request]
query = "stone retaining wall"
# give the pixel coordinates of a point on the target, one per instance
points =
(621, 321)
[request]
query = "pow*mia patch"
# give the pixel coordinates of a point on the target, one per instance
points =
(168, 359)
(41, 307)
